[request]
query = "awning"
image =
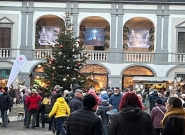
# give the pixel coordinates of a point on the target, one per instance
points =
(2, 77)
(39, 74)
(156, 79)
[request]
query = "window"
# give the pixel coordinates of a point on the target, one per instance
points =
(181, 42)
(5, 37)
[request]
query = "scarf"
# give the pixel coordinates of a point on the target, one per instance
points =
(173, 111)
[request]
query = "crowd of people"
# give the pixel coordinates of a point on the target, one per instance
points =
(109, 112)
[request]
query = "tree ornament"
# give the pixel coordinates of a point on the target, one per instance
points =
(79, 64)
(61, 46)
(68, 68)
(53, 75)
(60, 66)
(52, 60)
(64, 79)
(48, 82)
(60, 53)
(53, 67)
(79, 42)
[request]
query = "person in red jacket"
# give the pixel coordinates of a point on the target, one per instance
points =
(33, 107)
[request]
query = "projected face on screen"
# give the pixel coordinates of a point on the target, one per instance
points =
(139, 38)
(48, 35)
(94, 36)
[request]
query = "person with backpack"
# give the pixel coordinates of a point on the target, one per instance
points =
(103, 108)
(157, 115)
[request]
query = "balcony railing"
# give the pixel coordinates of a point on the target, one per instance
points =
(41, 54)
(8, 53)
(137, 57)
(144, 57)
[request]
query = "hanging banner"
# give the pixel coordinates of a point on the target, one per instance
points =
(16, 68)
(139, 38)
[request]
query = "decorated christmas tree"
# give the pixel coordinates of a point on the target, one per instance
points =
(63, 65)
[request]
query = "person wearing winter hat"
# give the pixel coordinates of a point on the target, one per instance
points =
(76, 102)
(109, 92)
(71, 94)
(92, 92)
(157, 115)
(33, 107)
(5, 104)
(104, 95)
(103, 108)
(88, 122)
(55, 90)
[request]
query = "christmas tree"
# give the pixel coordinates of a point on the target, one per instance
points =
(62, 67)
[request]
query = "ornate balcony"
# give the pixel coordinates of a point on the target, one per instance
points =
(127, 57)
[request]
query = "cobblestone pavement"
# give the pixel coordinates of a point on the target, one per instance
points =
(17, 128)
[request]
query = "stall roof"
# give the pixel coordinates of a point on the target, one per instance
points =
(155, 79)
(40, 74)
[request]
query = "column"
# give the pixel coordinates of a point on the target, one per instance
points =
(115, 81)
(113, 27)
(30, 24)
(165, 32)
(23, 29)
(165, 27)
(23, 23)
(159, 33)
(120, 28)
(75, 12)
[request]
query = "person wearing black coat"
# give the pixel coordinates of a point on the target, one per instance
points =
(5, 104)
(131, 120)
(103, 108)
(76, 102)
(71, 94)
(84, 121)
(152, 99)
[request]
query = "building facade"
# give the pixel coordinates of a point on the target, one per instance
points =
(142, 38)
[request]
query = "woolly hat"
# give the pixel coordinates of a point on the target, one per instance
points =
(57, 87)
(78, 90)
(5, 89)
(104, 97)
(103, 92)
(34, 91)
(109, 90)
(89, 101)
(159, 101)
(76, 86)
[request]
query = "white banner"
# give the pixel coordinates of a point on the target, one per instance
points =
(17, 66)
(139, 38)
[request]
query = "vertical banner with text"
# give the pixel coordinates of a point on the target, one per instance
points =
(16, 68)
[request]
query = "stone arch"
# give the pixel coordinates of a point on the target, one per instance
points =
(38, 18)
(99, 73)
(90, 16)
(143, 17)
(142, 65)
(34, 67)
(98, 25)
(173, 68)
